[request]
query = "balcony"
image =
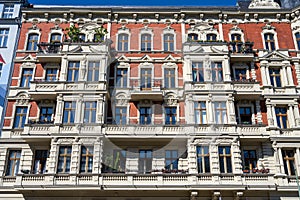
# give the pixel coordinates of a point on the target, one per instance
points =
(248, 131)
(150, 90)
(246, 86)
(49, 52)
(241, 51)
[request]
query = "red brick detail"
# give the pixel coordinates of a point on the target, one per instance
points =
(258, 73)
(294, 75)
(9, 109)
(263, 109)
(33, 112)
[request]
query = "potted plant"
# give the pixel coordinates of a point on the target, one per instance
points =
(99, 34)
(73, 33)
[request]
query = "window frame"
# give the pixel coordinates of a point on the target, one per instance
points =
(67, 158)
(146, 161)
(168, 43)
(10, 12)
(217, 74)
(26, 83)
(93, 70)
(227, 159)
(220, 110)
(267, 42)
(173, 160)
(41, 168)
(200, 112)
(203, 158)
(289, 168)
(31, 43)
(23, 120)
(4, 37)
(121, 42)
(143, 116)
(71, 112)
(121, 80)
(73, 70)
(87, 163)
(281, 122)
(198, 74)
(121, 115)
(170, 116)
(16, 162)
(169, 77)
(146, 42)
(90, 112)
(249, 162)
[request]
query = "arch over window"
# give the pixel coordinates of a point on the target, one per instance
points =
(236, 42)
(269, 41)
(168, 42)
(146, 42)
(123, 42)
(32, 42)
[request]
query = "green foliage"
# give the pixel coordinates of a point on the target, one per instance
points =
(100, 33)
(73, 33)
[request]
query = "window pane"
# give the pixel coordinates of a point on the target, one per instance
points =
(32, 42)
(73, 70)
(123, 42)
(13, 162)
(26, 77)
(20, 117)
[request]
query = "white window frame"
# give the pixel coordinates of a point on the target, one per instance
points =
(123, 31)
(124, 66)
(146, 31)
(166, 31)
(170, 66)
(271, 31)
(35, 31)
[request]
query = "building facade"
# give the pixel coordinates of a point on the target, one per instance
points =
(190, 103)
(10, 16)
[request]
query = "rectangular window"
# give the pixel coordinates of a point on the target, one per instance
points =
(32, 42)
(69, 112)
(122, 77)
(169, 77)
(26, 77)
(146, 76)
(250, 160)
(168, 42)
(145, 161)
(203, 162)
(73, 69)
(93, 71)
(269, 41)
(192, 37)
(220, 112)
(146, 42)
(225, 159)
(275, 77)
(240, 74)
(217, 72)
(8, 11)
(13, 162)
(170, 115)
(64, 159)
(55, 38)
(145, 115)
(51, 74)
(90, 111)
(297, 35)
(20, 117)
(198, 72)
(123, 42)
(245, 115)
(46, 113)
(40, 159)
(1, 66)
(289, 162)
(171, 159)
(86, 159)
(119, 163)
(120, 117)
(282, 117)
(4, 37)
(236, 43)
(211, 37)
(200, 112)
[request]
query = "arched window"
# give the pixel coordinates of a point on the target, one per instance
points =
(236, 43)
(168, 42)
(123, 42)
(55, 38)
(269, 41)
(145, 42)
(211, 37)
(192, 37)
(32, 42)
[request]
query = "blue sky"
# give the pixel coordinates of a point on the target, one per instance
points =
(137, 2)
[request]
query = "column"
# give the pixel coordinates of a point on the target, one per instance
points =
(82, 69)
(297, 67)
(100, 105)
(226, 68)
(79, 108)
(231, 110)
(281, 161)
(296, 113)
(291, 117)
(253, 73)
(289, 75)
(59, 109)
(270, 113)
(284, 80)
(264, 75)
(64, 68)
(210, 110)
(258, 112)
(75, 162)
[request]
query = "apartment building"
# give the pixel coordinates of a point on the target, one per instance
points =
(136, 103)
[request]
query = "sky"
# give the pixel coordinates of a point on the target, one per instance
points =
(137, 2)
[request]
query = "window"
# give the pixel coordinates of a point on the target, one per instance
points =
(170, 115)
(275, 77)
(145, 161)
(225, 159)
(200, 112)
(269, 41)
(245, 115)
(1, 66)
(289, 162)
(146, 75)
(123, 42)
(26, 77)
(121, 113)
(122, 77)
(13, 162)
(171, 159)
(250, 160)
(281, 117)
(64, 159)
(145, 42)
(168, 42)
(203, 159)
(69, 112)
(119, 164)
(86, 159)
(145, 115)
(20, 117)
(220, 112)
(240, 74)
(46, 114)
(8, 11)
(90, 111)
(93, 71)
(236, 43)
(55, 38)
(51, 74)
(73, 69)
(4, 37)
(198, 72)
(169, 77)
(81, 37)
(40, 159)
(217, 72)
(32, 42)
(192, 37)
(297, 36)
(211, 37)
